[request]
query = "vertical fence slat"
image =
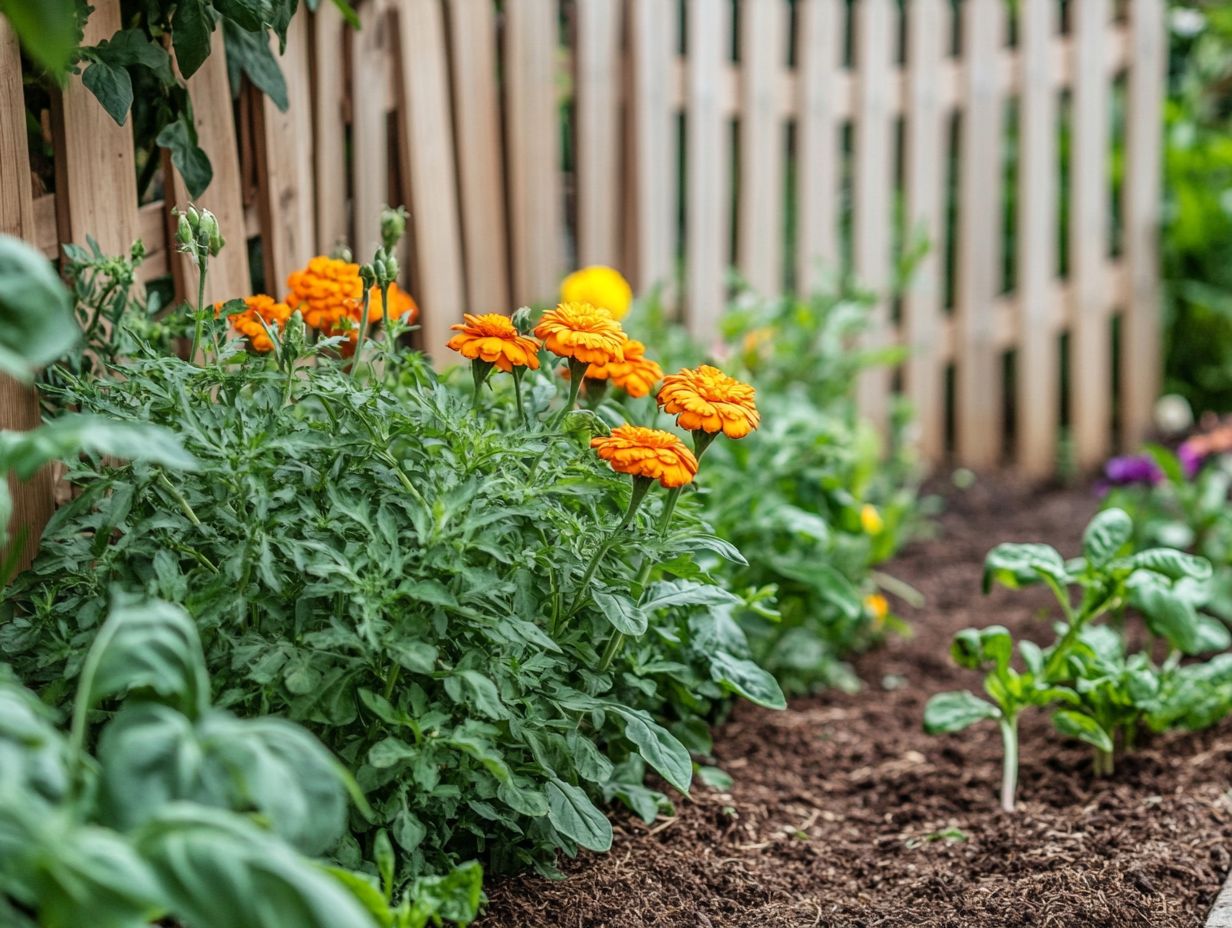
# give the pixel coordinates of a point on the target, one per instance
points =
(1038, 372)
(872, 177)
(284, 164)
(708, 172)
(533, 143)
(329, 32)
(819, 58)
(1140, 354)
(33, 499)
(978, 368)
(370, 54)
(597, 83)
(426, 149)
(1090, 341)
(762, 51)
(653, 37)
(480, 169)
(211, 98)
(96, 181)
(928, 25)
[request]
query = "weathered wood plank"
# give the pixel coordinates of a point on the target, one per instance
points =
(597, 76)
(819, 62)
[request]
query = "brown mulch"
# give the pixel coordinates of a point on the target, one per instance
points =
(845, 814)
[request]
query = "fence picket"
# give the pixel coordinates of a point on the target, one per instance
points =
(427, 153)
(480, 169)
(597, 124)
(371, 52)
(763, 40)
(1140, 359)
(1038, 370)
(978, 371)
(536, 205)
(284, 163)
(872, 177)
(653, 39)
(329, 32)
(1090, 339)
(211, 95)
(819, 62)
(925, 153)
(708, 149)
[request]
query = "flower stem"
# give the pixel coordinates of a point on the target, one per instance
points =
(517, 395)
(1009, 763)
(577, 373)
(363, 332)
(200, 314)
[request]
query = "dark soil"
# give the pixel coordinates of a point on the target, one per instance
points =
(845, 814)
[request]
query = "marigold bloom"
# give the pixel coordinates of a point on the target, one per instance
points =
(329, 294)
(248, 322)
(707, 400)
(582, 332)
(493, 338)
(599, 286)
(643, 452)
(878, 607)
(636, 374)
(870, 519)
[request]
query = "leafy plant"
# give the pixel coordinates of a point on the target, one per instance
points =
(1099, 694)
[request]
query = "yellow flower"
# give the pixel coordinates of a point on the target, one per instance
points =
(582, 333)
(707, 400)
(248, 322)
(877, 607)
(493, 338)
(651, 453)
(636, 375)
(870, 519)
(599, 286)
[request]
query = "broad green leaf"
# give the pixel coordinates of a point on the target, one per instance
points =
(112, 87)
(179, 137)
(715, 545)
(658, 747)
(248, 53)
(252, 15)
(624, 614)
(954, 711)
(220, 869)
(191, 25)
(1106, 534)
(92, 876)
(748, 679)
(666, 593)
(36, 314)
(145, 644)
(1168, 615)
(1015, 565)
(454, 897)
(48, 30)
(71, 434)
(1172, 563)
(573, 814)
(1083, 727)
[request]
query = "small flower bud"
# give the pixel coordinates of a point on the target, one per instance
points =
(393, 226)
(368, 276)
(522, 320)
(183, 232)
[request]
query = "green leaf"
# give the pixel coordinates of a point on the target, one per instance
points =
(48, 30)
(24, 453)
(252, 15)
(191, 25)
(658, 747)
(133, 47)
(1015, 565)
(93, 876)
(1076, 725)
(666, 593)
(1168, 615)
(748, 679)
(180, 138)
(112, 86)
(573, 814)
(36, 314)
(145, 644)
(622, 612)
(954, 711)
(1106, 534)
(248, 53)
(454, 897)
(219, 869)
(1172, 563)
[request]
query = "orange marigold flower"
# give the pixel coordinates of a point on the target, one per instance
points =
(707, 400)
(651, 453)
(599, 286)
(248, 322)
(583, 333)
(636, 374)
(325, 292)
(493, 338)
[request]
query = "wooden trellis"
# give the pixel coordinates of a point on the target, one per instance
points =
(674, 139)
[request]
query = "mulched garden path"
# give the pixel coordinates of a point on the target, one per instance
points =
(845, 814)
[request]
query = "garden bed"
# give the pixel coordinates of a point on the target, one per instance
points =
(844, 813)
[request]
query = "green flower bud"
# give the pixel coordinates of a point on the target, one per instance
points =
(183, 232)
(393, 226)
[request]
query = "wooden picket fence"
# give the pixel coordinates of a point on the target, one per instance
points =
(675, 139)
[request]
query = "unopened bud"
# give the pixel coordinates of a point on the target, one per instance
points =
(183, 232)
(393, 226)
(368, 275)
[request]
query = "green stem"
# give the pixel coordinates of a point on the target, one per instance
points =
(179, 498)
(200, 314)
(577, 373)
(517, 395)
(363, 331)
(1009, 763)
(391, 679)
(386, 315)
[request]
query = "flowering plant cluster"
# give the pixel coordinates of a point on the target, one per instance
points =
(496, 608)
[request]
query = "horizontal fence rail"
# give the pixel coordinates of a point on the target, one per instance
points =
(675, 139)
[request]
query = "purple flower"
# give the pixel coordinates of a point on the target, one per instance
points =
(1135, 468)
(1191, 458)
